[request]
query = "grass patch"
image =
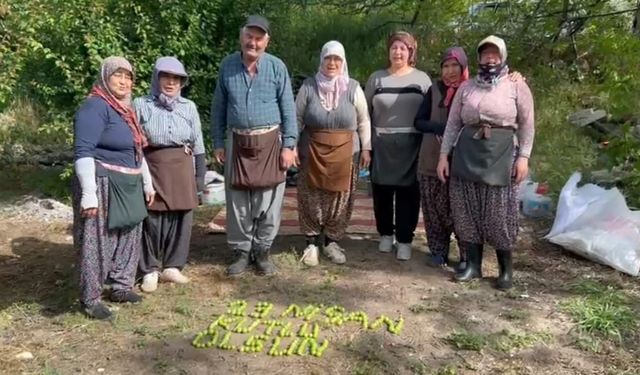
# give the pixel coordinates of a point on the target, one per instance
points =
(601, 309)
(446, 370)
(588, 343)
(422, 309)
(516, 314)
(507, 341)
(504, 341)
(184, 308)
(74, 320)
(5, 320)
(417, 367)
(50, 371)
(371, 366)
(288, 259)
(466, 341)
(161, 366)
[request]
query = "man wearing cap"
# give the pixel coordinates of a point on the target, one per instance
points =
(254, 135)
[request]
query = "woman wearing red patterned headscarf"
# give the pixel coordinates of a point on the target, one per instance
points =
(111, 184)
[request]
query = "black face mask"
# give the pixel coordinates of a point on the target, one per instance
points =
(489, 72)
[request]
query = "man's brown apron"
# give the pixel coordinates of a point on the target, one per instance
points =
(330, 159)
(173, 178)
(256, 160)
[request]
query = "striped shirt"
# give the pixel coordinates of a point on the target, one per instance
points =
(243, 102)
(170, 128)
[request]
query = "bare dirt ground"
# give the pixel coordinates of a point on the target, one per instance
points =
(449, 328)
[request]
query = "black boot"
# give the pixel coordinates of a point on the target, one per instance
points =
(462, 256)
(264, 265)
(124, 296)
(98, 311)
(240, 264)
(505, 264)
(474, 263)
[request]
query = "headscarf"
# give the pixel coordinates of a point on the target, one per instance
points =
(454, 53)
(409, 41)
(170, 65)
(331, 89)
(489, 74)
(123, 106)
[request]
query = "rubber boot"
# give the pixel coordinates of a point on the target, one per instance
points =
(505, 264)
(263, 262)
(474, 264)
(240, 264)
(462, 263)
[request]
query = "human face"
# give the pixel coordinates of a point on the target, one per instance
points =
(120, 83)
(170, 84)
(490, 55)
(451, 70)
(332, 66)
(399, 54)
(253, 42)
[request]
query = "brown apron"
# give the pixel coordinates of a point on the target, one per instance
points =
(330, 159)
(484, 154)
(429, 155)
(256, 160)
(173, 178)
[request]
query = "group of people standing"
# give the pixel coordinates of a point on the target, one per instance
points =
(460, 145)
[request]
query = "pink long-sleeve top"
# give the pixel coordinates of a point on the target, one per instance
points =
(505, 104)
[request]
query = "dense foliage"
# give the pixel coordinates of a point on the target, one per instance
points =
(575, 54)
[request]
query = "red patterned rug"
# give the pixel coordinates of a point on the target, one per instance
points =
(362, 220)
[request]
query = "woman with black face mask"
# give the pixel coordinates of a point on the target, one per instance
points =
(491, 125)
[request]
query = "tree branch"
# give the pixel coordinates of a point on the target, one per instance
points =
(605, 14)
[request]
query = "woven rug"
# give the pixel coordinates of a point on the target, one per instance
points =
(362, 219)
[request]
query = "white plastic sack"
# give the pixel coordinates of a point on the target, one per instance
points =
(596, 223)
(212, 177)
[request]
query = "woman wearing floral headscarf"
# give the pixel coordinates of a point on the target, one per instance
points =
(108, 200)
(335, 142)
(394, 96)
(172, 126)
(491, 125)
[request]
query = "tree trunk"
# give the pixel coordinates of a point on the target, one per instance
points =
(635, 28)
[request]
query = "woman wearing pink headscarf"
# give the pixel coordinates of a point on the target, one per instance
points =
(431, 121)
(335, 141)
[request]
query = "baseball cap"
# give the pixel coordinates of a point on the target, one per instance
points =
(259, 22)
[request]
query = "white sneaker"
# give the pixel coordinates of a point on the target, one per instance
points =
(150, 282)
(173, 275)
(386, 244)
(404, 251)
(310, 256)
(334, 252)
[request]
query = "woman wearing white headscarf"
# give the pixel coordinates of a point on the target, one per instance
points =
(335, 142)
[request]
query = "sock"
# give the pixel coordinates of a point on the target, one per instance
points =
(311, 240)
